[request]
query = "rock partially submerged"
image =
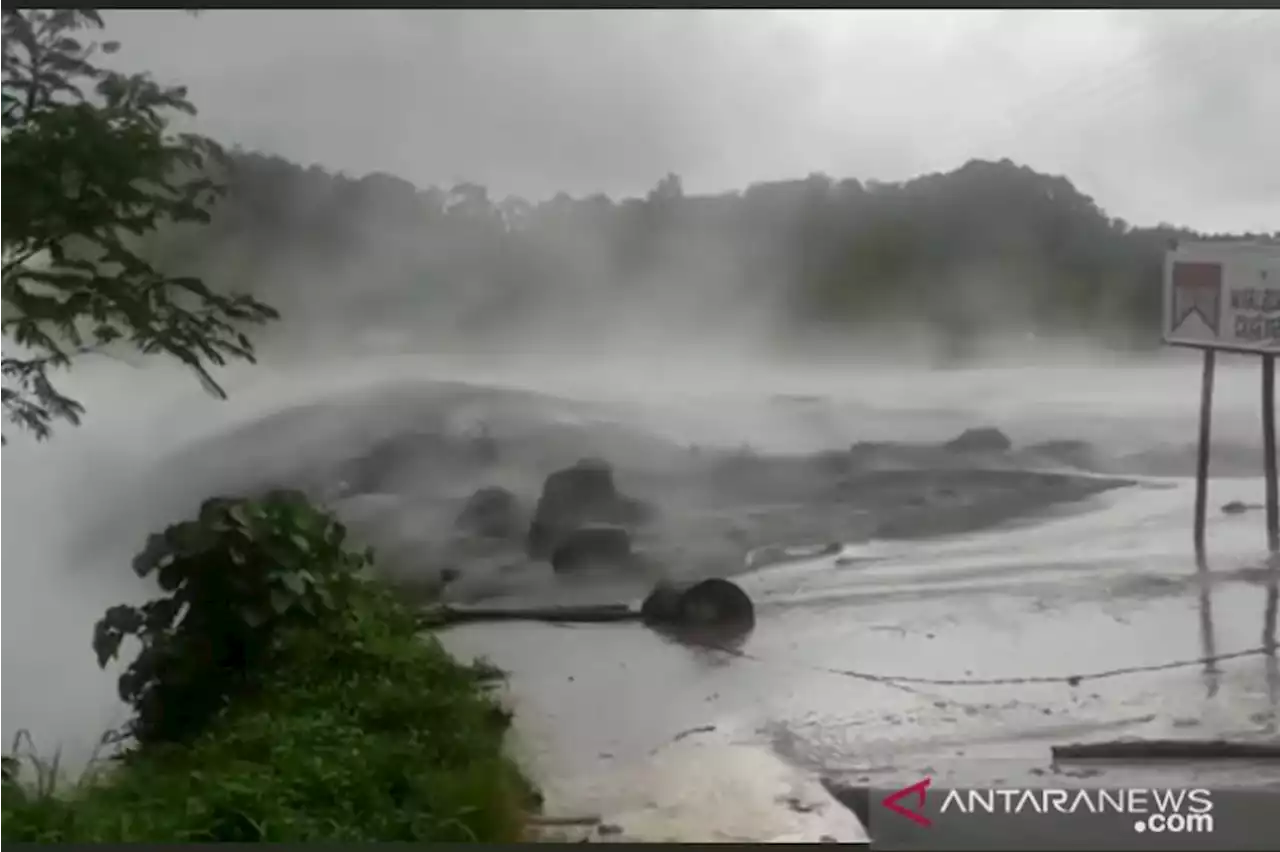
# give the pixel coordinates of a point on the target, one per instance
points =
(577, 496)
(708, 605)
(491, 512)
(592, 546)
(1239, 507)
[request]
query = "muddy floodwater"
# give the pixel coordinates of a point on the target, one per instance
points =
(1065, 556)
(1085, 593)
(1103, 584)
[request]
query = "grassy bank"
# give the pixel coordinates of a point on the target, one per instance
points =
(351, 728)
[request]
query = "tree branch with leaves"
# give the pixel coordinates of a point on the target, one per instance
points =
(90, 166)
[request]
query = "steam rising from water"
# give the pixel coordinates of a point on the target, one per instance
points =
(77, 508)
(683, 353)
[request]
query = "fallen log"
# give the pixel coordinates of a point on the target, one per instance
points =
(1168, 750)
(441, 616)
(715, 605)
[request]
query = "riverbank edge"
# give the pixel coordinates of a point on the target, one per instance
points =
(375, 735)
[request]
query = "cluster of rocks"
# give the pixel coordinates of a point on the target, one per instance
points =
(985, 441)
(580, 521)
(985, 444)
(491, 513)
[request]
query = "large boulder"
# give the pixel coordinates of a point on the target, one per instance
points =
(592, 546)
(582, 494)
(707, 605)
(491, 513)
(986, 439)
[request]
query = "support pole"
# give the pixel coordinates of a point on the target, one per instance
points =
(1272, 606)
(1269, 450)
(1270, 614)
(1202, 455)
(1207, 644)
(1208, 640)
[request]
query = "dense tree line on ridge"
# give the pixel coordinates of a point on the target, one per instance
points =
(989, 245)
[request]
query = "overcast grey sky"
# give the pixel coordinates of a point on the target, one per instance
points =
(1160, 115)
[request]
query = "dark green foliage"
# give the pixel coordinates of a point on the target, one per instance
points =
(368, 733)
(280, 697)
(90, 168)
(234, 577)
(991, 246)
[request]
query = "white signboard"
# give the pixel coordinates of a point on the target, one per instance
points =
(1223, 296)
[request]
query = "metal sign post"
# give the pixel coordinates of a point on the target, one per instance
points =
(1202, 450)
(1208, 645)
(1271, 611)
(1269, 450)
(1225, 296)
(1269, 453)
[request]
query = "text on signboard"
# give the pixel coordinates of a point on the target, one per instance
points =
(1260, 324)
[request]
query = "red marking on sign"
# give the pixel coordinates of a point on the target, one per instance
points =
(1197, 289)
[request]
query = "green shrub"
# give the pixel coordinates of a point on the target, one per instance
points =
(236, 575)
(281, 697)
(368, 733)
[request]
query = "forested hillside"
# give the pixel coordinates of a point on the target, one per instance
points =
(989, 246)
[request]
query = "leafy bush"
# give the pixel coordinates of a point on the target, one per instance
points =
(235, 576)
(279, 696)
(365, 732)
